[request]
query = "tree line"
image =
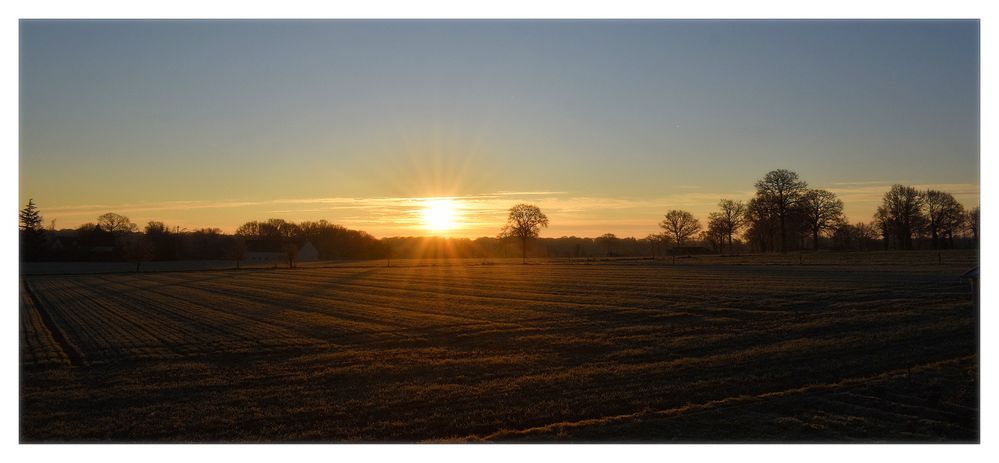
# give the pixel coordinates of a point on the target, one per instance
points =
(786, 215)
(114, 237)
(783, 215)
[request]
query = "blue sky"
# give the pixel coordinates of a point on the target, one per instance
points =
(254, 119)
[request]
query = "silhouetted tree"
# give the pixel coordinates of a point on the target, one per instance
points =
(865, 233)
(821, 211)
(236, 249)
(680, 225)
(288, 231)
(972, 220)
(291, 252)
(202, 243)
(656, 242)
(30, 218)
(901, 214)
(730, 218)
(165, 244)
(607, 241)
(780, 189)
(944, 216)
(31, 233)
(524, 222)
(714, 237)
(762, 225)
(115, 223)
(844, 236)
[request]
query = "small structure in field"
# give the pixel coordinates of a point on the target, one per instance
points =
(307, 253)
(263, 252)
(274, 252)
(973, 276)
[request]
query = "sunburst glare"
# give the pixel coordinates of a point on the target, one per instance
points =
(440, 214)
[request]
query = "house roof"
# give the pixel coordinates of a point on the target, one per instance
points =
(971, 274)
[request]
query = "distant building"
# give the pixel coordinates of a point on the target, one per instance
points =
(271, 252)
(264, 257)
(263, 252)
(63, 243)
(308, 253)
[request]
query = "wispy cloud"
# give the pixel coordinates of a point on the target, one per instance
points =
(868, 192)
(477, 214)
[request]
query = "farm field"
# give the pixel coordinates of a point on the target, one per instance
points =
(629, 351)
(966, 258)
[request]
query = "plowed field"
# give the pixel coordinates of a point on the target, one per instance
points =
(553, 352)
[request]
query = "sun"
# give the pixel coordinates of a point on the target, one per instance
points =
(440, 214)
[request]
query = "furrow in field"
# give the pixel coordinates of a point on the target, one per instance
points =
(36, 341)
(104, 320)
(246, 323)
(618, 292)
(343, 303)
(617, 384)
(496, 304)
(62, 347)
(77, 322)
(204, 321)
(104, 350)
(775, 325)
(625, 279)
(148, 334)
(919, 411)
(727, 402)
(514, 300)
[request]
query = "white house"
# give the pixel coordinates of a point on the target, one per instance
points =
(308, 253)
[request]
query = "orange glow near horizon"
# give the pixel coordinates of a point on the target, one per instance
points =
(440, 215)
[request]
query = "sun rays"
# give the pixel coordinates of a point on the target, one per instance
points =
(440, 215)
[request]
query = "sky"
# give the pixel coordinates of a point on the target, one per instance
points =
(605, 125)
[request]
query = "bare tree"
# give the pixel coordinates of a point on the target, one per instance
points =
(780, 189)
(944, 215)
(291, 252)
(115, 223)
(822, 210)
(653, 240)
(973, 218)
(153, 227)
(607, 240)
(762, 225)
(714, 237)
(680, 225)
(236, 249)
(901, 214)
(524, 222)
(865, 233)
(729, 219)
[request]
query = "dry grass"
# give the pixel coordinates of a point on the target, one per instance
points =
(619, 351)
